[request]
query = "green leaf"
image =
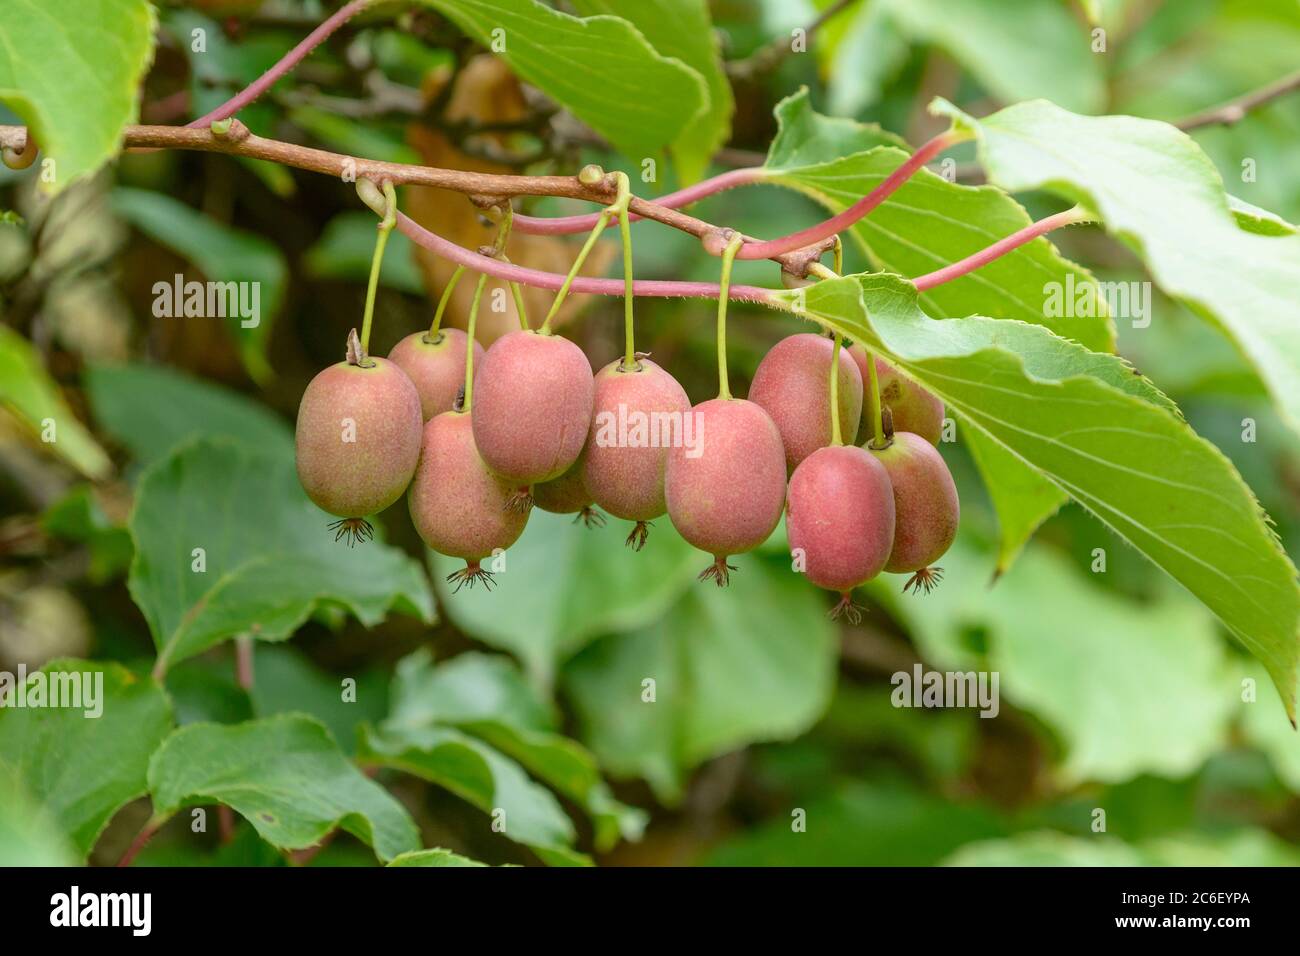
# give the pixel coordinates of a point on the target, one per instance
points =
(1102, 434)
(151, 409)
(487, 697)
(1160, 194)
(268, 559)
(521, 809)
(287, 682)
(83, 769)
(601, 69)
(859, 51)
(77, 516)
(1022, 497)
(286, 776)
(929, 223)
(436, 857)
(731, 666)
(1127, 687)
(73, 70)
(543, 610)
(1264, 726)
(863, 825)
(28, 392)
(805, 137)
(29, 834)
(683, 29)
(224, 255)
(1028, 48)
(346, 246)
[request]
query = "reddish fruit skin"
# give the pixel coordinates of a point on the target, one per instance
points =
(926, 509)
(914, 408)
(792, 384)
(457, 505)
(729, 498)
(628, 480)
(565, 495)
(840, 513)
(436, 367)
(353, 479)
(532, 406)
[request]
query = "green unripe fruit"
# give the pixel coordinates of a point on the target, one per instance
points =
(358, 437)
(436, 366)
(792, 384)
(725, 496)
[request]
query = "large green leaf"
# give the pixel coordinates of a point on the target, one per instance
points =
(83, 769)
(751, 662)
(72, 69)
(29, 834)
(269, 559)
(286, 776)
(27, 391)
(151, 409)
(683, 29)
(1127, 687)
(488, 697)
(601, 69)
(519, 808)
(1103, 435)
(223, 254)
(1156, 190)
(1017, 49)
(436, 857)
(929, 223)
(564, 585)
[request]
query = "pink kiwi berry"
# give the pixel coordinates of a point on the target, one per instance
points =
(792, 384)
(914, 408)
(532, 408)
(457, 505)
(725, 494)
(436, 366)
(358, 440)
(640, 413)
(568, 495)
(926, 508)
(840, 519)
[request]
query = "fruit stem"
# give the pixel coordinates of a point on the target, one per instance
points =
(835, 391)
(442, 303)
(625, 234)
(385, 229)
(878, 439)
(728, 257)
(469, 344)
(617, 208)
(499, 252)
(838, 251)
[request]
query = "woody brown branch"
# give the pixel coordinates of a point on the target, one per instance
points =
(482, 187)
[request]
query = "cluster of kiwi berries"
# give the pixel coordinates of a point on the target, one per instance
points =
(473, 469)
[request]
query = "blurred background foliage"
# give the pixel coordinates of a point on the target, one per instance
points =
(1119, 692)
